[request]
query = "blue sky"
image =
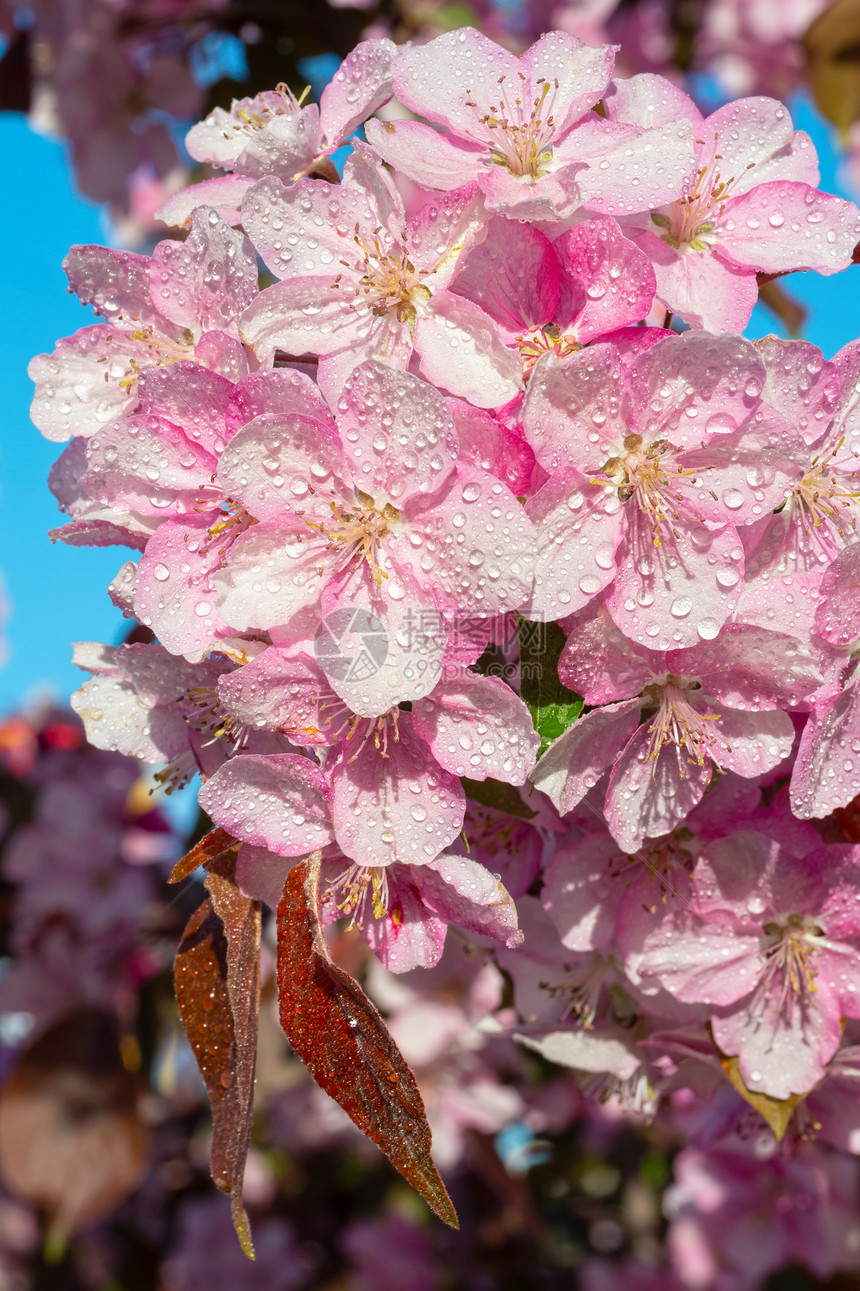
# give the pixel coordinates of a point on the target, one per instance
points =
(58, 594)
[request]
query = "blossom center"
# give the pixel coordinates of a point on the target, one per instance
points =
(689, 224)
(355, 888)
(789, 971)
(356, 530)
(249, 116)
(678, 722)
(822, 498)
(521, 126)
(390, 282)
(646, 475)
(162, 350)
(544, 340)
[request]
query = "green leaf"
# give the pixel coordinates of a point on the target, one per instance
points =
(553, 707)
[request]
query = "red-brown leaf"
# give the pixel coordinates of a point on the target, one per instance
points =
(217, 975)
(217, 846)
(340, 1036)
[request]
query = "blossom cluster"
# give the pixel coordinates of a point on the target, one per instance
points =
(485, 444)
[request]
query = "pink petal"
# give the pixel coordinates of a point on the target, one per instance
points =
(410, 936)
(360, 85)
(677, 593)
(780, 1056)
(424, 155)
(605, 283)
(146, 464)
(223, 194)
(205, 281)
(567, 400)
(278, 801)
(270, 572)
(278, 219)
(400, 807)
(750, 668)
(279, 463)
(694, 386)
(261, 874)
(413, 445)
(800, 384)
(463, 892)
(578, 72)
(115, 283)
(78, 386)
(581, 890)
(748, 473)
(443, 232)
(782, 225)
(459, 349)
(174, 594)
(759, 131)
(648, 796)
(116, 718)
(379, 644)
(601, 664)
(301, 316)
(749, 743)
(638, 173)
(283, 692)
(477, 727)
(444, 80)
(847, 417)
(285, 147)
(491, 446)
(837, 618)
(578, 528)
(649, 100)
(703, 289)
(191, 397)
(698, 962)
(827, 769)
(476, 545)
(513, 275)
(224, 354)
(577, 760)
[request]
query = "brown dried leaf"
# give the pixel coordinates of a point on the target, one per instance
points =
(340, 1036)
(71, 1139)
(217, 976)
(777, 1112)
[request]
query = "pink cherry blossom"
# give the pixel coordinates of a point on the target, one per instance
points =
(394, 792)
(751, 207)
(370, 513)
(146, 703)
(717, 704)
(772, 943)
(526, 127)
(373, 285)
(181, 303)
(820, 515)
(273, 134)
(557, 295)
(652, 470)
(159, 466)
